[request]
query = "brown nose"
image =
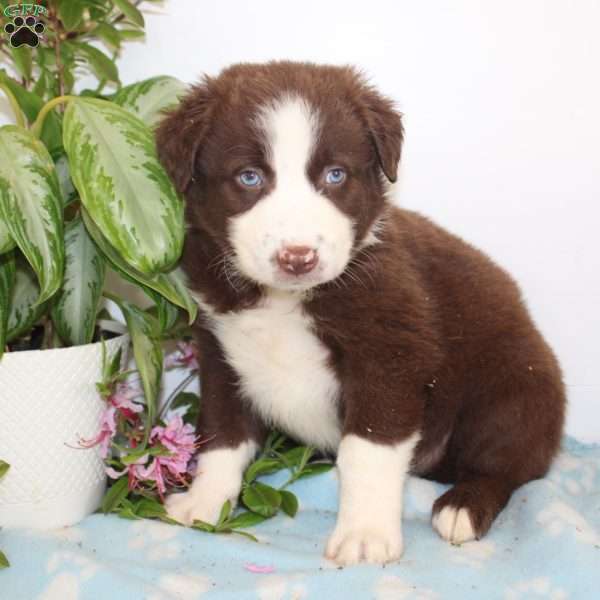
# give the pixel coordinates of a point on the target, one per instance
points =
(297, 260)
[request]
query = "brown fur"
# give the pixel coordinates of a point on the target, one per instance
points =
(424, 331)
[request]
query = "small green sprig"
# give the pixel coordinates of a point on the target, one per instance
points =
(264, 501)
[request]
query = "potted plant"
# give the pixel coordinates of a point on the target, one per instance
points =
(81, 194)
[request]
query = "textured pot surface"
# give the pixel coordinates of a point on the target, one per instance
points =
(48, 402)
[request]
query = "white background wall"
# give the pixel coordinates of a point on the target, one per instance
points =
(502, 117)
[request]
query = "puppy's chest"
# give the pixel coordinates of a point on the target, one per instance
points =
(283, 368)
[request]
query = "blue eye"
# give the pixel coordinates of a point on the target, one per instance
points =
(250, 178)
(335, 176)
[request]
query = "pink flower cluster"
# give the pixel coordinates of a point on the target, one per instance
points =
(186, 355)
(120, 402)
(179, 440)
(175, 438)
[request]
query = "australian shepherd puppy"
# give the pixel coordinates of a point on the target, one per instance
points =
(352, 325)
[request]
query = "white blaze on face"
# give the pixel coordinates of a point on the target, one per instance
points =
(294, 213)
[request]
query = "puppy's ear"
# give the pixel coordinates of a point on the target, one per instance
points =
(385, 127)
(181, 133)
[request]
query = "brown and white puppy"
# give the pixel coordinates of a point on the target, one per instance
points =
(354, 326)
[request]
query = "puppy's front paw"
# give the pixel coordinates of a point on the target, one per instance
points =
(191, 506)
(351, 546)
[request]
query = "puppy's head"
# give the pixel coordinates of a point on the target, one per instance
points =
(284, 165)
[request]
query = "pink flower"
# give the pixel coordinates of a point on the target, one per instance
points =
(253, 568)
(179, 439)
(135, 471)
(176, 436)
(168, 470)
(108, 428)
(186, 355)
(122, 399)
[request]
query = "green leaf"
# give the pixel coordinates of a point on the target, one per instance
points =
(130, 11)
(70, 13)
(29, 102)
(75, 306)
(101, 65)
(297, 457)
(185, 399)
(263, 466)
(131, 34)
(24, 310)
(4, 564)
(262, 499)
(67, 190)
(7, 281)
(245, 519)
(314, 469)
(114, 366)
(148, 98)
(127, 513)
(6, 242)
(245, 534)
(289, 503)
(202, 526)
(108, 34)
(147, 351)
(122, 185)
(167, 313)
(42, 83)
(115, 495)
(171, 285)
(133, 456)
(192, 402)
(149, 508)
(4, 467)
(22, 59)
(31, 205)
(31, 105)
(224, 514)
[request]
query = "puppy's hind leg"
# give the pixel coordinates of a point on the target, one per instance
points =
(466, 511)
(499, 444)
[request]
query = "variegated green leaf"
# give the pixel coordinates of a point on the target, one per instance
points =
(122, 185)
(74, 308)
(68, 192)
(148, 98)
(6, 242)
(31, 205)
(24, 310)
(167, 312)
(147, 351)
(171, 285)
(7, 280)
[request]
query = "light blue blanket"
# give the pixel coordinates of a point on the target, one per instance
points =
(545, 544)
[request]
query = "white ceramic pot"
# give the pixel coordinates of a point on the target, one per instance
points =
(48, 402)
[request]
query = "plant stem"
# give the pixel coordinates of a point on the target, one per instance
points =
(180, 387)
(36, 128)
(58, 30)
(19, 116)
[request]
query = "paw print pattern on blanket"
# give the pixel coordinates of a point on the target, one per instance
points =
(560, 518)
(531, 589)
(574, 474)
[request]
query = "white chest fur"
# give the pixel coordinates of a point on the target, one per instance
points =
(283, 368)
